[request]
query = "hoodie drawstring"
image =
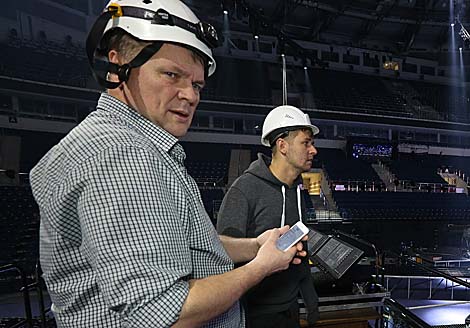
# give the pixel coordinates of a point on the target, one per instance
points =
(298, 203)
(299, 206)
(283, 216)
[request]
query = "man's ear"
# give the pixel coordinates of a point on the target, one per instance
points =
(113, 57)
(282, 145)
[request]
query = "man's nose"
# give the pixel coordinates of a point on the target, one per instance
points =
(313, 150)
(188, 92)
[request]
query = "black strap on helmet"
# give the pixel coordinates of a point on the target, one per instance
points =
(122, 71)
(94, 37)
(281, 133)
(204, 32)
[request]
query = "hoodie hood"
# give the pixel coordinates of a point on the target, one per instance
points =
(260, 169)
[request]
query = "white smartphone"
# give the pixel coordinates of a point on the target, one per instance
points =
(292, 236)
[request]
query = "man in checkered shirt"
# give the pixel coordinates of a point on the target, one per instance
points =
(124, 239)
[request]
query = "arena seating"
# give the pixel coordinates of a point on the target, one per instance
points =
(447, 102)
(424, 168)
(211, 198)
(453, 164)
(339, 168)
(249, 86)
(355, 92)
(209, 168)
(415, 170)
(19, 247)
(333, 90)
(403, 205)
(45, 62)
(20, 227)
(208, 172)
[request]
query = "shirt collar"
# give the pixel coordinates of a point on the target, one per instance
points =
(159, 136)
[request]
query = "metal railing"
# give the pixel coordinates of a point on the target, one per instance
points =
(400, 316)
(25, 291)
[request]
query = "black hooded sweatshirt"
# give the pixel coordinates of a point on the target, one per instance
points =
(255, 203)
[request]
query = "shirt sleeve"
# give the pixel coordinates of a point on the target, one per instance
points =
(232, 219)
(133, 237)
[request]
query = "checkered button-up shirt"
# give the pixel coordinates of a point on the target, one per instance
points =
(123, 227)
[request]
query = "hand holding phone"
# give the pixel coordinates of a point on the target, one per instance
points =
(292, 236)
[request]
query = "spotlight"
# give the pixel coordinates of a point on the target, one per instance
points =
(452, 24)
(256, 37)
(460, 49)
(304, 63)
(226, 5)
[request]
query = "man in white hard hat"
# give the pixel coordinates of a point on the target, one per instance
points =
(124, 238)
(268, 195)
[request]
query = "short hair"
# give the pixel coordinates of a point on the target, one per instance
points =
(288, 135)
(124, 43)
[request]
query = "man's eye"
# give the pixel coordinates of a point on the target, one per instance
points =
(170, 74)
(197, 87)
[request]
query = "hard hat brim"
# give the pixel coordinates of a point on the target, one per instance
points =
(276, 134)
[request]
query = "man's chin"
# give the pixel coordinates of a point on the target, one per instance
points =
(179, 132)
(307, 167)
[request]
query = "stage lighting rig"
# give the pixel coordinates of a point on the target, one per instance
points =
(463, 32)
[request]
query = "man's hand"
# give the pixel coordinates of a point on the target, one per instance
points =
(262, 239)
(270, 259)
(300, 251)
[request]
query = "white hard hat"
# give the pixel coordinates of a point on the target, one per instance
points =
(285, 118)
(139, 19)
(155, 21)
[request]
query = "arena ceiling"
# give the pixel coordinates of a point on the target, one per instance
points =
(405, 27)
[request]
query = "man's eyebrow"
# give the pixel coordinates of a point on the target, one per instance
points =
(201, 82)
(175, 67)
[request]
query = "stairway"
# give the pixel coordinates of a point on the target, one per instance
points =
(325, 216)
(327, 194)
(324, 204)
(454, 179)
(318, 202)
(386, 176)
(321, 210)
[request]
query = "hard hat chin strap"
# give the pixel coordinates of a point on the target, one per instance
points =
(94, 36)
(122, 71)
(282, 132)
